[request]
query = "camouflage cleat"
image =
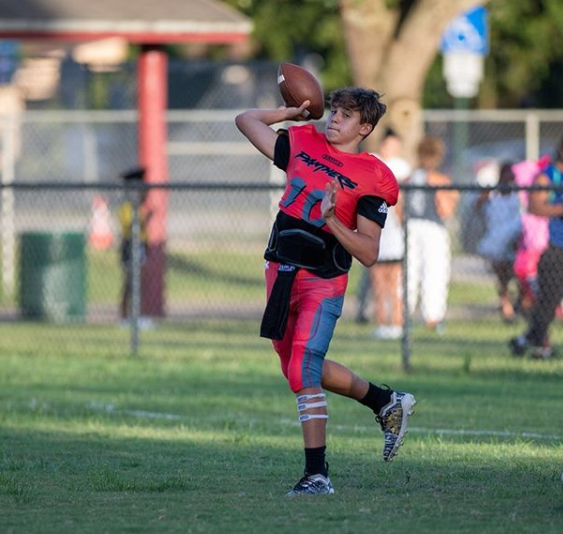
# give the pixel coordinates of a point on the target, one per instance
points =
(393, 420)
(312, 485)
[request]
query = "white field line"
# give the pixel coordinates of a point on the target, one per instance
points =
(493, 433)
(110, 408)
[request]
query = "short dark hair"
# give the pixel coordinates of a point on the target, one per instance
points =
(506, 177)
(389, 132)
(366, 101)
(135, 174)
(506, 173)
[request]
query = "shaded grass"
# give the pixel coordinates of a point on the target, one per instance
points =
(197, 276)
(227, 275)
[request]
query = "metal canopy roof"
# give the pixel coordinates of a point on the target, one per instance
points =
(141, 21)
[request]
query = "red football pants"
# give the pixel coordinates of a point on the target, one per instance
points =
(315, 306)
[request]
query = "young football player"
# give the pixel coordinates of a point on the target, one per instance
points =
(333, 208)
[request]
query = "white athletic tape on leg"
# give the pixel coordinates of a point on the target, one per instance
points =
(303, 398)
(306, 417)
(306, 406)
(303, 405)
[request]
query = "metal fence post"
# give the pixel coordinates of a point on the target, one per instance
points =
(533, 139)
(136, 271)
(407, 327)
(7, 211)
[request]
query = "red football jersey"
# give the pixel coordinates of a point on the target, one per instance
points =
(313, 162)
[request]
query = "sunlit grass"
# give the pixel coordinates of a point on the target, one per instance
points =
(199, 433)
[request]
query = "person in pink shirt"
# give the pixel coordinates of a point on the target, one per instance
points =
(534, 236)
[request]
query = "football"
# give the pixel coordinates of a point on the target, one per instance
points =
(296, 85)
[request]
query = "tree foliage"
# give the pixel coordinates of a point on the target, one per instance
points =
(523, 68)
(289, 30)
(525, 49)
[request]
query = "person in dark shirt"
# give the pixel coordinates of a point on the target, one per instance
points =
(333, 208)
(550, 268)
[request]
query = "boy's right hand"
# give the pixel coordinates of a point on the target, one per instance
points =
(298, 114)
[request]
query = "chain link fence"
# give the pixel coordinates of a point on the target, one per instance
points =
(66, 267)
(61, 193)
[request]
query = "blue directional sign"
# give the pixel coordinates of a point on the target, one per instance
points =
(467, 33)
(9, 52)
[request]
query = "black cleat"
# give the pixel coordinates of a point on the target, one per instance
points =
(518, 346)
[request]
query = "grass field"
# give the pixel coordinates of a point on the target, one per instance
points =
(199, 435)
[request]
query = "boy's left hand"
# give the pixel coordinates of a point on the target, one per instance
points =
(329, 200)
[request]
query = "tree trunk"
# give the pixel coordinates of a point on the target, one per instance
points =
(393, 55)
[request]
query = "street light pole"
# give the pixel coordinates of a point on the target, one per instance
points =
(465, 42)
(463, 72)
(460, 135)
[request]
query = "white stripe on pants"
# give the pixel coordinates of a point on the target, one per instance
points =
(428, 268)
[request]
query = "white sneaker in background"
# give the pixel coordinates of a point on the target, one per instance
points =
(146, 323)
(388, 332)
(395, 331)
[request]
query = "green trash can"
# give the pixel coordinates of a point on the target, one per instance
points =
(53, 276)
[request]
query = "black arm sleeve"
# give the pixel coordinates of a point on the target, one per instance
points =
(281, 151)
(374, 209)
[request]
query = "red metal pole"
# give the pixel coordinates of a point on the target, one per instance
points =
(152, 96)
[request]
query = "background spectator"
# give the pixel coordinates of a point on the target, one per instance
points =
(501, 211)
(550, 268)
(534, 236)
(428, 238)
(126, 215)
(384, 279)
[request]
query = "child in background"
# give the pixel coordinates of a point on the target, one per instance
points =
(387, 273)
(534, 237)
(126, 215)
(501, 210)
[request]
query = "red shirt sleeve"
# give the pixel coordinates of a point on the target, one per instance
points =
(387, 188)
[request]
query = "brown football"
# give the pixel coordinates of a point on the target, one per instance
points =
(297, 85)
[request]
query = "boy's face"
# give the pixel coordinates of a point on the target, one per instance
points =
(343, 127)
